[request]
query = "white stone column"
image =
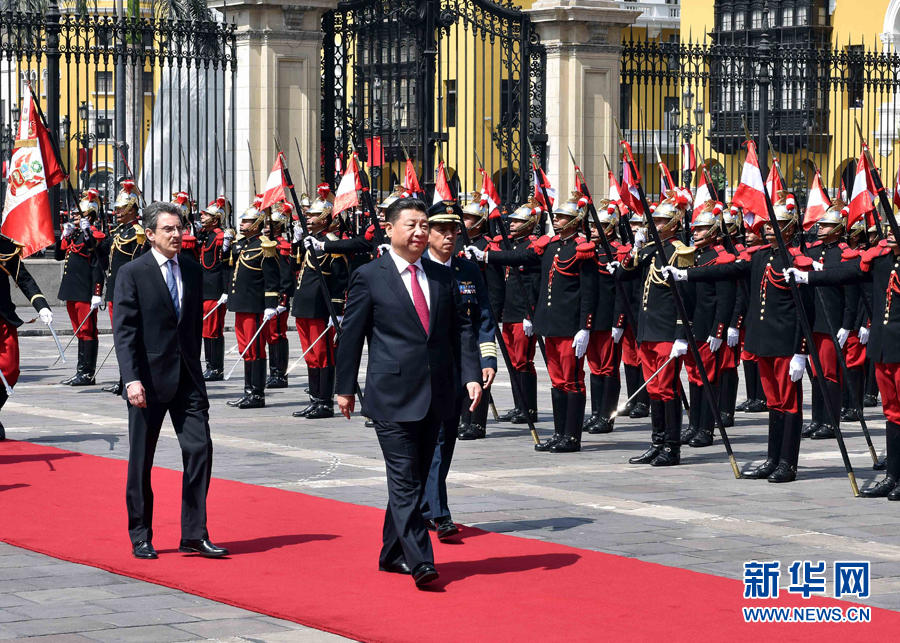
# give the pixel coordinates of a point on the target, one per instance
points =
(583, 41)
(278, 87)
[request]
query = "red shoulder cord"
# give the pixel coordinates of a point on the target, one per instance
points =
(563, 268)
(893, 287)
(215, 254)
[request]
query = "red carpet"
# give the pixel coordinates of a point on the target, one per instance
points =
(314, 561)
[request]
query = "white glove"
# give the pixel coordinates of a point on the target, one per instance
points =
(639, 238)
(298, 234)
(475, 254)
(734, 336)
(527, 327)
(197, 227)
(679, 348)
(268, 314)
(96, 301)
(678, 274)
(279, 310)
(85, 226)
(340, 319)
(384, 248)
(67, 230)
(46, 316)
(223, 299)
(314, 244)
(617, 334)
(714, 343)
(842, 336)
(818, 265)
(863, 335)
(612, 266)
(580, 343)
(798, 365)
(226, 244)
(799, 276)
(229, 235)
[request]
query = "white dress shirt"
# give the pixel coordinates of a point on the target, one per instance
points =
(436, 260)
(161, 259)
(406, 276)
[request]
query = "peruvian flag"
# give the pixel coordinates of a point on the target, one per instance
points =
(441, 187)
(817, 203)
(630, 195)
(773, 183)
(703, 195)
(750, 194)
(844, 192)
(666, 178)
(32, 170)
(862, 200)
(688, 157)
(347, 195)
(410, 180)
(614, 194)
(275, 185)
(541, 180)
(897, 190)
(489, 191)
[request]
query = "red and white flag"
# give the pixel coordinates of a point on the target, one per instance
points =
(862, 200)
(541, 180)
(441, 187)
(773, 183)
(32, 170)
(817, 203)
(347, 195)
(275, 185)
(844, 192)
(749, 194)
(688, 157)
(614, 192)
(897, 190)
(668, 183)
(410, 180)
(489, 192)
(629, 193)
(703, 195)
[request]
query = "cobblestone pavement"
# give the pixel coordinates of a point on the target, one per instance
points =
(695, 516)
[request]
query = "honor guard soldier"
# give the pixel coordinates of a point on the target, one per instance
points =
(443, 224)
(660, 335)
(880, 266)
(774, 335)
(475, 218)
(361, 248)
(11, 263)
(124, 243)
(279, 348)
(81, 286)
(855, 347)
(518, 329)
(840, 307)
(731, 352)
(713, 307)
(639, 406)
(564, 313)
(213, 247)
(314, 323)
(189, 238)
(255, 298)
(756, 396)
(604, 353)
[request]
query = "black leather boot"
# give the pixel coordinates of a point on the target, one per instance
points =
(642, 401)
(560, 406)
(324, 408)
(611, 390)
(887, 486)
(79, 366)
(657, 435)
(208, 357)
(728, 383)
(773, 455)
(750, 382)
(85, 376)
(704, 437)
(790, 450)
(278, 364)
(515, 410)
(257, 397)
(696, 401)
(574, 424)
(632, 384)
(818, 411)
(826, 431)
(597, 384)
(528, 381)
(248, 385)
(853, 386)
(671, 451)
(314, 375)
(215, 359)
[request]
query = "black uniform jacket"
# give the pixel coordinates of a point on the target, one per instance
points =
(82, 270)
(11, 264)
(567, 301)
(772, 322)
(409, 371)
(494, 276)
(256, 276)
(741, 302)
(713, 303)
(309, 302)
(610, 307)
(124, 243)
(209, 250)
(514, 304)
(841, 302)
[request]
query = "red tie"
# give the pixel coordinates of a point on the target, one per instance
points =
(419, 297)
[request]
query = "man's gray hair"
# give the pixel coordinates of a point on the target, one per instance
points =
(152, 212)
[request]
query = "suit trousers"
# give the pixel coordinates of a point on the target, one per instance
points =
(189, 412)
(435, 498)
(408, 449)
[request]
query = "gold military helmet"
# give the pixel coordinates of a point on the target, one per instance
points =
(608, 214)
(128, 196)
(835, 215)
(733, 219)
(709, 217)
(786, 210)
(477, 207)
(281, 212)
(321, 209)
(575, 207)
(399, 192)
(673, 208)
(89, 205)
(305, 201)
(528, 213)
(859, 227)
(253, 212)
(219, 207)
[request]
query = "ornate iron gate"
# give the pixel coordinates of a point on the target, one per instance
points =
(457, 79)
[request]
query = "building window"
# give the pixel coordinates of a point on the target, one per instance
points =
(756, 19)
(670, 104)
(726, 21)
(739, 21)
(104, 82)
(147, 82)
(787, 17)
(822, 16)
(450, 94)
(802, 15)
(856, 76)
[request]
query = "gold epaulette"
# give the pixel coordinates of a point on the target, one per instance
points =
(332, 237)
(683, 257)
(139, 233)
(269, 247)
(239, 237)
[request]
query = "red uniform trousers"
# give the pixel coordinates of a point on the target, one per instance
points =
(245, 327)
(888, 378)
(214, 325)
(9, 351)
(653, 355)
(78, 311)
(854, 352)
(828, 357)
(520, 347)
(710, 362)
(731, 357)
(630, 348)
(566, 371)
(781, 393)
(109, 310)
(278, 327)
(603, 355)
(322, 354)
(746, 355)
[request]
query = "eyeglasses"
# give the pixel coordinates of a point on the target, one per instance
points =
(170, 230)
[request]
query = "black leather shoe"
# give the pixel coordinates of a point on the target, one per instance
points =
(869, 401)
(809, 429)
(895, 494)
(762, 471)
(602, 425)
(783, 473)
(849, 415)
(509, 415)
(430, 524)
(549, 442)
(144, 550)
(521, 419)
(567, 444)
(370, 424)
(825, 432)
(647, 457)
(446, 528)
(320, 411)
(202, 547)
(277, 381)
(302, 413)
(702, 439)
(472, 432)
(238, 402)
(68, 381)
(688, 433)
(252, 402)
(115, 389)
(727, 419)
(640, 410)
(757, 406)
(425, 573)
(590, 421)
(881, 489)
(396, 568)
(743, 406)
(82, 379)
(213, 375)
(666, 458)
(628, 408)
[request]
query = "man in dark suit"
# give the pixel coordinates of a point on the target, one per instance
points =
(157, 329)
(421, 348)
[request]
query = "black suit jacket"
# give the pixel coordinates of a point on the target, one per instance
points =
(151, 342)
(408, 371)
